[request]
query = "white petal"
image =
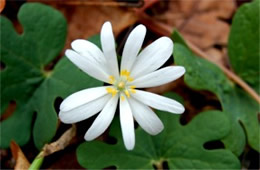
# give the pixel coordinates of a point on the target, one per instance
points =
(89, 50)
(132, 47)
(103, 120)
(159, 77)
(152, 57)
(127, 124)
(145, 117)
(84, 111)
(82, 97)
(158, 102)
(109, 49)
(87, 65)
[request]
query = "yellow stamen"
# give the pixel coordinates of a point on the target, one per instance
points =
(111, 79)
(132, 91)
(132, 87)
(127, 93)
(125, 73)
(119, 85)
(111, 90)
(130, 79)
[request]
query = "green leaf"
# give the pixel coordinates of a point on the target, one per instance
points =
(24, 79)
(243, 45)
(181, 146)
(241, 109)
(96, 39)
(177, 38)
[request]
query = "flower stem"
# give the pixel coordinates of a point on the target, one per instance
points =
(159, 166)
(37, 162)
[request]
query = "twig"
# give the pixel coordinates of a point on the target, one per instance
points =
(228, 72)
(49, 149)
(166, 30)
(146, 4)
(93, 3)
(61, 143)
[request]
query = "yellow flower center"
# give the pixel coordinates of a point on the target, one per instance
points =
(121, 85)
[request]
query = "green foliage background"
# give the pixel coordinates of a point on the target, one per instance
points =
(35, 89)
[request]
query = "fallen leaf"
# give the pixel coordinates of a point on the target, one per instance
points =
(206, 31)
(21, 160)
(2, 5)
(85, 20)
(202, 21)
(217, 56)
(8, 110)
(82, 25)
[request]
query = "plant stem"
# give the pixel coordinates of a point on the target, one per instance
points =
(37, 162)
(159, 166)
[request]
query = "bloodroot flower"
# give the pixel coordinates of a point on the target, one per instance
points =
(138, 70)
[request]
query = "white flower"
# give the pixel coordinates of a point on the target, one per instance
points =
(137, 71)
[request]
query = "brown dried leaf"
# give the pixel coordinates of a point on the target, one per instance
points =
(2, 5)
(85, 19)
(8, 111)
(21, 160)
(206, 31)
(61, 143)
(201, 21)
(217, 56)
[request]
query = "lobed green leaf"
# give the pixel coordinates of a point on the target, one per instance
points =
(241, 109)
(180, 146)
(24, 79)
